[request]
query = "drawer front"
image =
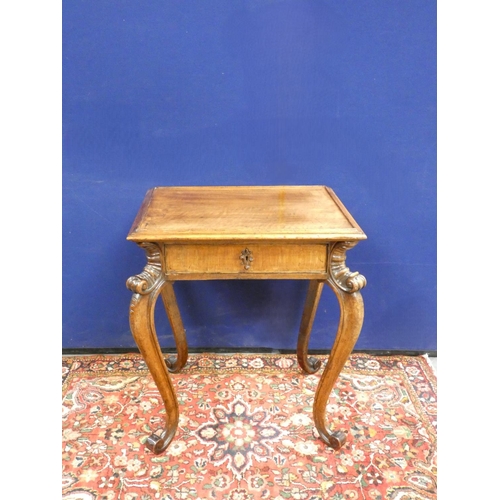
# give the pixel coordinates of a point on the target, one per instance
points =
(245, 259)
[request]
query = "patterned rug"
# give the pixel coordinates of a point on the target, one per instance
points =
(246, 430)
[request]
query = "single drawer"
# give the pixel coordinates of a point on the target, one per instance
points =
(245, 259)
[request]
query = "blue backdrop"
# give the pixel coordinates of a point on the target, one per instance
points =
(250, 92)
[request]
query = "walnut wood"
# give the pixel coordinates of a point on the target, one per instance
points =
(351, 320)
(248, 213)
(249, 276)
(226, 258)
(309, 365)
(175, 364)
(147, 286)
(260, 232)
(339, 273)
(346, 286)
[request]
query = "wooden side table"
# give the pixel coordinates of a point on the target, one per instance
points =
(258, 232)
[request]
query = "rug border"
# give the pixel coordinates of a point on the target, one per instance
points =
(423, 362)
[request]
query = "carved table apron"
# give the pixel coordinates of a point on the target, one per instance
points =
(258, 232)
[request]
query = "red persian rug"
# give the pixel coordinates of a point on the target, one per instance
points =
(246, 430)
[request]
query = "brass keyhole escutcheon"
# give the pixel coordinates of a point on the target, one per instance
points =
(246, 258)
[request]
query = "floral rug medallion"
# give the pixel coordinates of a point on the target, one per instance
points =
(237, 435)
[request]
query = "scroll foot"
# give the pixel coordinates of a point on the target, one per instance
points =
(173, 364)
(335, 440)
(311, 364)
(159, 441)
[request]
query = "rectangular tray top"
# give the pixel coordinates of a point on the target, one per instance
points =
(243, 213)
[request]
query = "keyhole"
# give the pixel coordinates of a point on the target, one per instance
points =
(246, 258)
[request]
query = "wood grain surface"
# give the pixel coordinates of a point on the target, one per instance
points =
(251, 213)
(267, 258)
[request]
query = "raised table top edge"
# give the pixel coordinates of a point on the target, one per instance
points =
(355, 233)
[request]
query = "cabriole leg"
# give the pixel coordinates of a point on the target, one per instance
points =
(346, 286)
(146, 287)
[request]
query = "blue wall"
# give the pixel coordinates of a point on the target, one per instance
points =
(341, 93)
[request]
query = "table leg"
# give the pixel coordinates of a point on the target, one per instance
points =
(346, 286)
(146, 287)
(309, 364)
(175, 364)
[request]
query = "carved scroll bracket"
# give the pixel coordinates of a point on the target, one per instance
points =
(339, 273)
(143, 283)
